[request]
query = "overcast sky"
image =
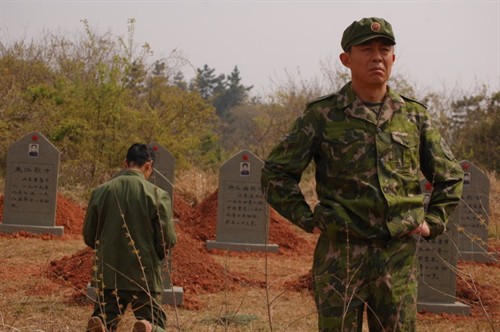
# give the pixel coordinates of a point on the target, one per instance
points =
(440, 44)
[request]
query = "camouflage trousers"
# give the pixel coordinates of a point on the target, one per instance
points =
(350, 276)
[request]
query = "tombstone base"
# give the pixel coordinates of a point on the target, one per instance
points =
(456, 308)
(91, 293)
(236, 246)
(172, 296)
(11, 228)
(478, 256)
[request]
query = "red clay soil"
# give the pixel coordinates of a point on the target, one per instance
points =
(204, 222)
(194, 270)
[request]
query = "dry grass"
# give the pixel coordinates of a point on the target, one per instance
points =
(195, 185)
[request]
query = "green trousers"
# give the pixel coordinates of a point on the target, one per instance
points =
(351, 275)
(111, 305)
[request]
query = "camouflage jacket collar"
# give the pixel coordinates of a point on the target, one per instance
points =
(354, 107)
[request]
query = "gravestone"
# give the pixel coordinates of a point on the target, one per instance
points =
(163, 177)
(31, 186)
(474, 218)
(437, 259)
(165, 165)
(242, 211)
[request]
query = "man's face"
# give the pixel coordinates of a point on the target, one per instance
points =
(371, 62)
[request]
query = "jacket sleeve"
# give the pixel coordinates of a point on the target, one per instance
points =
(443, 171)
(163, 223)
(283, 170)
(91, 221)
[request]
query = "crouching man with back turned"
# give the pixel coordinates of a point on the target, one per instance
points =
(129, 224)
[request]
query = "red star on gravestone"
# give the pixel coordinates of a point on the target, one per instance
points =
(34, 137)
(465, 166)
(428, 186)
(245, 157)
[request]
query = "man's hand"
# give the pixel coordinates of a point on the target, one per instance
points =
(422, 230)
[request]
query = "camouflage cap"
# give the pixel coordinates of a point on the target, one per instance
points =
(365, 29)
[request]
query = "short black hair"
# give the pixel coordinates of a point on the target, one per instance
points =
(139, 154)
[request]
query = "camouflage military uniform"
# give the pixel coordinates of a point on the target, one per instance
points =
(367, 175)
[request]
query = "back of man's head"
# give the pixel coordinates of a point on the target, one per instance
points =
(139, 154)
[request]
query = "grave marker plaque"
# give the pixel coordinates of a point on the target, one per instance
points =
(474, 218)
(163, 177)
(242, 211)
(31, 186)
(437, 261)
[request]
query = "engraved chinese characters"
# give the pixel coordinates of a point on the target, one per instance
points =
(437, 260)
(31, 186)
(474, 217)
(242, 212)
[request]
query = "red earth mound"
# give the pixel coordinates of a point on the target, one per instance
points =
(193, 270)
(204, 222)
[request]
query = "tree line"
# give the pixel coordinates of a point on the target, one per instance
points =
(95, 95)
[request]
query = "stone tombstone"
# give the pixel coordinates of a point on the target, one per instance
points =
(163, 177)
(164, 163)
(474, 217)
(437, 261)
(242, 210)
(31, 186)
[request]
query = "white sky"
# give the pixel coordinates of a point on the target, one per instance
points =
(440, 44)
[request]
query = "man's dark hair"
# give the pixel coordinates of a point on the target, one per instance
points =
(139, 154)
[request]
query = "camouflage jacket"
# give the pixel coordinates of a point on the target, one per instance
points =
(368, 168)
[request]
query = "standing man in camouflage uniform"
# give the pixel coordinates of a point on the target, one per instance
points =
(129, 225)
(369, 145)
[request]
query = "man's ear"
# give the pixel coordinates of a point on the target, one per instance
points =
(125, 164)
(345, 59)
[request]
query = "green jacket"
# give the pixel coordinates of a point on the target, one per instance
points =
(129, 224)
(367, 168)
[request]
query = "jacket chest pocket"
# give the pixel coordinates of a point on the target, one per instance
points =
(405, 151)
(345, 148)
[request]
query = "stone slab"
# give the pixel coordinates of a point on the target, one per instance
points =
(54, 230)
(474, 218)
(31, 177)
(242, 211)
(172, 296)
(456, 308)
